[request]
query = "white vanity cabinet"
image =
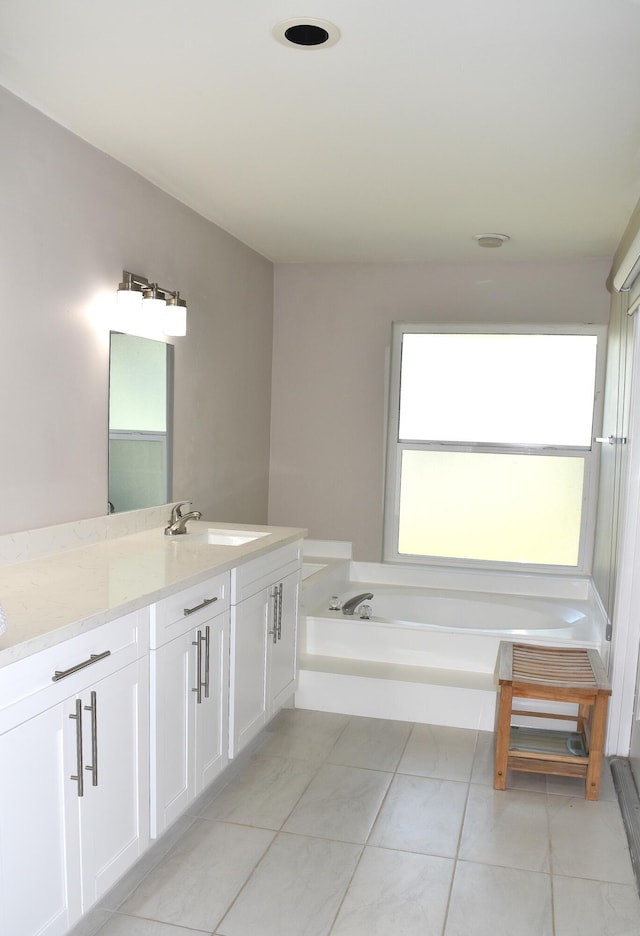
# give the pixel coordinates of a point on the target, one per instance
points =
(189, 669)
(73, 775)
(33, 808)
(264, 623)
(108, 735)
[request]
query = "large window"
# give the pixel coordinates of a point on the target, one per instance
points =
(490, 446)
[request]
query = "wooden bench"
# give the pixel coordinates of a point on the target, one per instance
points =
(560, 674)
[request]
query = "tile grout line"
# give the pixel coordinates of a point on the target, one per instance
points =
(278, 831)
(551, 882)
(198, 818)
(189, 819)
(375, 818)
(396, 772)
(246, 880)
(456, 858)
(552, 799)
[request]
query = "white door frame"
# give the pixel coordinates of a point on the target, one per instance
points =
(626, 620)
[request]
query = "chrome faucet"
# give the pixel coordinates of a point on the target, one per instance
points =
(178, 522)
(350, 606)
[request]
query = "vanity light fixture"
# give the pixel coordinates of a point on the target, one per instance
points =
(151, 308)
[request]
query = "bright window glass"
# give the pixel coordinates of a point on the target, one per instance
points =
(498, 389)
(490, 455)
(495, 507)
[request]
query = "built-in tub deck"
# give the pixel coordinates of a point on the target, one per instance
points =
(428, 654)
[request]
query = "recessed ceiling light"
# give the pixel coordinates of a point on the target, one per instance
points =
(307, 33)
(491, 240)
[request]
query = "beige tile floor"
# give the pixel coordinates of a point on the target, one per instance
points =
(341, 826)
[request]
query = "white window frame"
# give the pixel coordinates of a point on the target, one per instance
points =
(395, 449)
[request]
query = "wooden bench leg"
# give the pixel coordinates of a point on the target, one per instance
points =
(596, 748)
(584, 712)
(503, 730)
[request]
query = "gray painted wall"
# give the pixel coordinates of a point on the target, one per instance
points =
(331, 336)
(72, 220)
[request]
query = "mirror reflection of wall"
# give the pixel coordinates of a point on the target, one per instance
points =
(140, 438)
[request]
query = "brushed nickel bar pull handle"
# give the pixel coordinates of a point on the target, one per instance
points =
(94, 658)
(276, 603)
(93, 766)
(79, 776)
(203, 604)
(198, 687)
(280, 611)
(207, 640)
(274, 614)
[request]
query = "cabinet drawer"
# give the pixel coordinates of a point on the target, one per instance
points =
(251, 577)
(188, 608)
(43, 679)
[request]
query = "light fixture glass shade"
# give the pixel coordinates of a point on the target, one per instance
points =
(175, 317)
(152, 315)
(129, 296)
(126, 314)
(153, 306)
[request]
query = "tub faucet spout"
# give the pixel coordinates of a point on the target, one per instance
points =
(350, 606)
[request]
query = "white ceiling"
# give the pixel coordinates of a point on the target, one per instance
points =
(428, 122)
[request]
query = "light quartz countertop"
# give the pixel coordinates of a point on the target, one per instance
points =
(53, 598)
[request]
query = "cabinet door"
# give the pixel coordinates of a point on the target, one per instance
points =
(189, 718)
(282, 653)
(173, 682)
(248, 670)
(114, 826)
(210, 706)
(33, 878)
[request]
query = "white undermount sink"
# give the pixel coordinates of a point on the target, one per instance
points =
(215, 537)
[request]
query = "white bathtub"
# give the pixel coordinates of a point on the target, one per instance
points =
(429, 654)
(510, 615)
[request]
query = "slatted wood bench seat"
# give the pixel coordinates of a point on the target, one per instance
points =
(560, 674)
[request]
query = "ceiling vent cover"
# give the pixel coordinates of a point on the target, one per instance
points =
(491, 240)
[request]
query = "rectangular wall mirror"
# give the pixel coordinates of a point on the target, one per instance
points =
(140, 422)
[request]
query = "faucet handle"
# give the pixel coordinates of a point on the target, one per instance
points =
(176, 513)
